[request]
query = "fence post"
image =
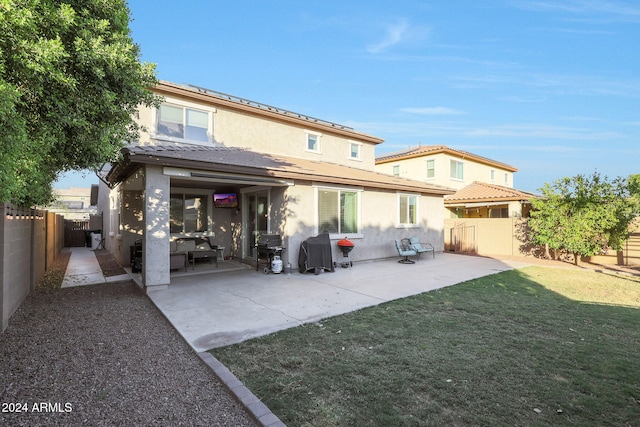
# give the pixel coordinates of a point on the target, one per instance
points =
(3, 224)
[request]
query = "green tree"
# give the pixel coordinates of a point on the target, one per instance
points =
(584, 215)
(70, 84)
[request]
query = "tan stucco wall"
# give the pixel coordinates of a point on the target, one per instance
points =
(234, 129)
(378, 223)
(237, 130)
(491, 236)
(416, 168)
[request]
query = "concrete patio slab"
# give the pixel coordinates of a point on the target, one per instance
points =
(220, 309)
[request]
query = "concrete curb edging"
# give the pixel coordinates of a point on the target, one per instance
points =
(254, 406)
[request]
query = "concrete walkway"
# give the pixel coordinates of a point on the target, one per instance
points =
(220, 309)
(83, 269)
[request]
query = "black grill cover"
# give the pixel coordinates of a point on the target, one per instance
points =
(315, 253)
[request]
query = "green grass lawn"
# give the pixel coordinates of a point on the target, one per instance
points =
(530, 347)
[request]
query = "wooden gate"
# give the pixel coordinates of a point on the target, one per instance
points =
(632, 250)
(75, 233)
(463, 239)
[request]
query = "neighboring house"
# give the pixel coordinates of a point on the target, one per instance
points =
(485, 186)
(446, 166)
(291, 174)
(73, 203)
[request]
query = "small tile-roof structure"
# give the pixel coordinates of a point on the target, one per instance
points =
(481, 192)
(232, 160)
(427, 150)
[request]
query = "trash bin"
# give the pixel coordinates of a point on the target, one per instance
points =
(96, 238)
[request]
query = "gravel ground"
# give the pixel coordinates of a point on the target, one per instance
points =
(104, 355)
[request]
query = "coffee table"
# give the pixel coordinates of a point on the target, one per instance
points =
(194, 255)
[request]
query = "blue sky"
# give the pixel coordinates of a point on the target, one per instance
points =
(550, 87)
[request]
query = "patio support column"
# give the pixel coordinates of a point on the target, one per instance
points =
(155, 258)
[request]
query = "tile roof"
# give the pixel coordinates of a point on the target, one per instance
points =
(484, 192)
(425, 150)
(243, 161)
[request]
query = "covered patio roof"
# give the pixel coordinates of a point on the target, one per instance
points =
(236, 164)
(483, 194)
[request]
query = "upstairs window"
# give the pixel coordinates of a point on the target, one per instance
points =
(493, 175)
(506, 179)
(396, 170)
(457, 170)
(354, 151)
(431, 168)
(183, 123)
(313, 142)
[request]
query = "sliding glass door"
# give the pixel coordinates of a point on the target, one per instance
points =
(256, 219)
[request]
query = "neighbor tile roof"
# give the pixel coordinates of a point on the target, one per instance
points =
(243, 161)
(426, 150)
(477, 192)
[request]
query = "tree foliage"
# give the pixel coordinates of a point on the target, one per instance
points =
(70, 84)
(584, 215)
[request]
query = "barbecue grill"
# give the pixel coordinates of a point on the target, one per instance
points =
(267, 247)
(346, 246)
(315, 255)
(135, 253)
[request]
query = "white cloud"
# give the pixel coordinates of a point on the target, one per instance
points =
(397, 33)
(545, 85)
(522, 148)
(612, 10)
(516, 135)
(542, 131)
(432, 111)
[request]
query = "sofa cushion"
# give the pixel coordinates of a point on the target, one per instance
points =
(186, 245)
(204, 246)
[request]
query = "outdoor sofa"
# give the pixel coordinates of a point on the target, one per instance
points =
(185, 250)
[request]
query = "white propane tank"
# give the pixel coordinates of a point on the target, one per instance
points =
(276, 264)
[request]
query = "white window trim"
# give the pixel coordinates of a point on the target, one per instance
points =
(359, 158)
(428, 178)
(492, 175)
(153, 132)
(316, 226)
(306, 142)
(456, 179)
(399, 223)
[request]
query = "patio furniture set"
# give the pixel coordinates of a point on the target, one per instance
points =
(412, 247)
(186, 250)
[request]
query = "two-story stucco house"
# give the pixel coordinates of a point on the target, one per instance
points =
(229, 169)
(484, 186)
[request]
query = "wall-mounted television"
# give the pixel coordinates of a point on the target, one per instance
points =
(225, 200)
